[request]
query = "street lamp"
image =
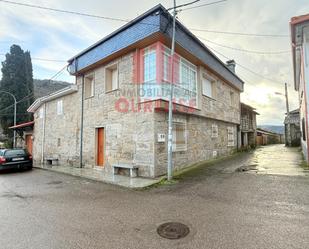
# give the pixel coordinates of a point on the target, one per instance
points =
(15, 102)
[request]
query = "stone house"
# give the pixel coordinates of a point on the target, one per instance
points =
(24, 135)
(248, 126)
(300, 57)
(117, 112)
(265, 137)
(292, 128)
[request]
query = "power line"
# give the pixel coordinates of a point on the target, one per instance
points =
(183, 5)
(17, 114)
(246, 50)
(20, 101)
(244, 67)
(203, 5)
(58, 73)
(32, 94)
(239, 33)
(41, 59)
(64, 11)
(126, 20)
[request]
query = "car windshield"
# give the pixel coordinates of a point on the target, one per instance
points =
(12, 153)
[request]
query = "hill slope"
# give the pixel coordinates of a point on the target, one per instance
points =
(274, 128)
(45, 87)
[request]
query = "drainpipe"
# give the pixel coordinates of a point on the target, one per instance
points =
(81, 126)
(43, 137)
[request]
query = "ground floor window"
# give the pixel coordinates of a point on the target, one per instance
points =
(179, 136)
(230, 137)
(214, 131)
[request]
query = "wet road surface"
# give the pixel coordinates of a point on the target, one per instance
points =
(224, 208)
(276, 160)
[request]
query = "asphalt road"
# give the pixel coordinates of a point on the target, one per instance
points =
(224, 208)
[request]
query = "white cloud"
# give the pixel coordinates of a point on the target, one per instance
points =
(60, 36)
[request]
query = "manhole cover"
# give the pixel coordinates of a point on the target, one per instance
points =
(173, 230)
(54, 182)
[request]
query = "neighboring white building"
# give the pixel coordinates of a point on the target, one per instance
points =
(300, 52)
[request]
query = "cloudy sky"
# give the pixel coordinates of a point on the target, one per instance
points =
(59, 36)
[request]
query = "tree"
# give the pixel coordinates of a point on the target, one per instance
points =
(17, 78)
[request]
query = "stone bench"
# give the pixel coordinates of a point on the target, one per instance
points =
(50, 160)
(133, 168)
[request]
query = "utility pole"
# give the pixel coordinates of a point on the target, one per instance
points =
(15, 103)
(287, 100)
(170, 106)
(289, 139)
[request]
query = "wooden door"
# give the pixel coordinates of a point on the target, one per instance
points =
(29, 143)
(100, 147)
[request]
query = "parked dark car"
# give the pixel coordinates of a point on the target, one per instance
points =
(15, 159)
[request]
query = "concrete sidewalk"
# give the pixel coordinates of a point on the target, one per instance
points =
(103, 176)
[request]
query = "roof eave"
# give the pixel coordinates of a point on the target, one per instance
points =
(63, 92)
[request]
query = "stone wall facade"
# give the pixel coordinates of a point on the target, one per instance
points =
(130, 136)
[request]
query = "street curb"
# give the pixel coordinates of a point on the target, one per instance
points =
(100, 181)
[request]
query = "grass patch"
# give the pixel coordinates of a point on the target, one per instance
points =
(304, 165)
(197, 168)
(192, 170)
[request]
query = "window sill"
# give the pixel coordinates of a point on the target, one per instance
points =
(110, 91)
(90, 97)
(179, 150)
(211, 98)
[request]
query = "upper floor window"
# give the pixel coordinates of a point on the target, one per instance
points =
(166, 65)
(207, 86)
(150, 70)
(59, 107)
(89, 86)
(188, 75)
(232, 98)
(111, 78)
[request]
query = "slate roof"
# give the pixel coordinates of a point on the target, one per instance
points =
(154, 21)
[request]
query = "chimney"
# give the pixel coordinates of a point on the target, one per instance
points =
(231, 64)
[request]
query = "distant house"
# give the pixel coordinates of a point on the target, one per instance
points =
(248, 126)
(24, 135)
(292, 128)
(116, 113)
(300, 55)
(264, 137)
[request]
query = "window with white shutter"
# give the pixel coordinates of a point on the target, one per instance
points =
(59, 107)
(207, 87)
(179, 136)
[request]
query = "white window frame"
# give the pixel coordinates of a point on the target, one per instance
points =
(147, 52)
(166, 65)
(214, 131)
(230, 137)
(92, 85)
(193, 69)
(60, 107)
(112, 68)
(211, 81)
(183, 147)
